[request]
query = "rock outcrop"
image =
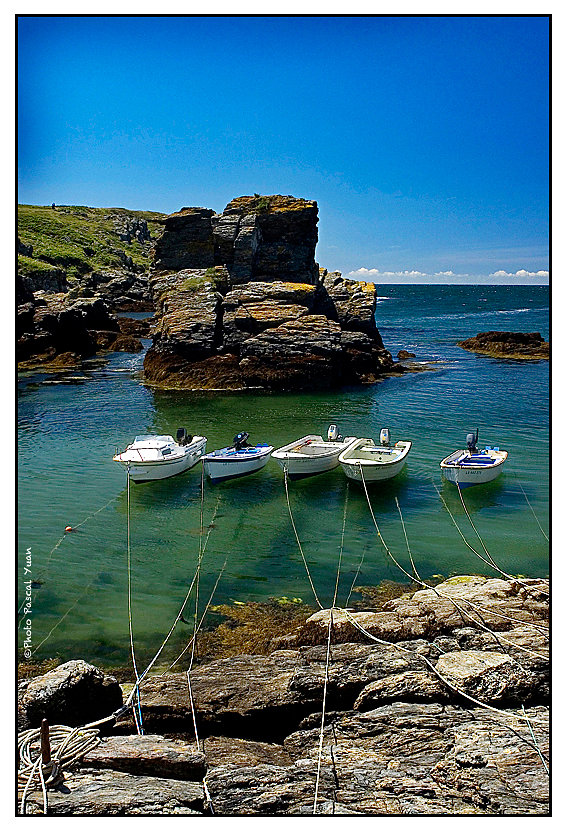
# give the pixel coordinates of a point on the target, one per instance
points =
(401, 733)
(526, 346)
(241, 303)
(73, 694)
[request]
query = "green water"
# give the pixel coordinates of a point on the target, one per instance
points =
(69, 428)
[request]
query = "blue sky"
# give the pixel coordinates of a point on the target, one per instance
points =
(424, 140)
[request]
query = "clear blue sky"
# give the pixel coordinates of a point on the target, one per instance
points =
(424, 140)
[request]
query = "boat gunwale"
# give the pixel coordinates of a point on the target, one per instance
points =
(376, 463)
(186, 450)
(210, 457)
(474, 466)
(287, 451)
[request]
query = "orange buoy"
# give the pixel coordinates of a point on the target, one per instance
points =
(68, 528)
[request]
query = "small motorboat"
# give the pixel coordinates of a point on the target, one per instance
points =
(363, 460)
(238, 460)
(473, 467)
(312, 454)
(151, 457)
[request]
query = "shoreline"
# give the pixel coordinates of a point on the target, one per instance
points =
(424, 715)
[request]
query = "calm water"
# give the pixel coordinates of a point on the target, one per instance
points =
(70, 425)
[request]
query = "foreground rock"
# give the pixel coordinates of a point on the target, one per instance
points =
(434, 611)
(75, 693)
(241, 303)
(404, 731)
(109, 793)
(517, 345)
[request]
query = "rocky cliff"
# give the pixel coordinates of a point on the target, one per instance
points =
(241, 303)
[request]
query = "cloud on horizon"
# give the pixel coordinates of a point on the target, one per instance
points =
(371, 273)
(374, 275)
(520, 273)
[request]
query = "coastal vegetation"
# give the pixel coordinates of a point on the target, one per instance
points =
(80, 240)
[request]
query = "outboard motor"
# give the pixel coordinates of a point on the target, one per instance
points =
(183, 438)
(472, 439)
(241, 440)
(384, 436)
(333, 433)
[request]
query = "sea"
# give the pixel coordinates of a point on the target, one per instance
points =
(73, 588)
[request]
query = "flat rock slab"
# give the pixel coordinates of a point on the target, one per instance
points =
(111, 793)
(457, 602)
(150, 754)
(220, 751)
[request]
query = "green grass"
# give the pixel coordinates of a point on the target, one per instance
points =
(80, 240)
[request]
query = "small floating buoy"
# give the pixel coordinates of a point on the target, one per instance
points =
(68, 528)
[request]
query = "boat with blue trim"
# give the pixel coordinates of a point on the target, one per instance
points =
(237, 460)
(473, 466)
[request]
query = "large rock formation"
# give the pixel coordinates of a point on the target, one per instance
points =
(241, 303)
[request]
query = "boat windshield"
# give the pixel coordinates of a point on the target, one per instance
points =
(152, 438)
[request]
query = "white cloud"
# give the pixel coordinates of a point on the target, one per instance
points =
(520, 273)
(368, 273)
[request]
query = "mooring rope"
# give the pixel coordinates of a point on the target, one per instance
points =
(67, 745)
(328, 656)
(493, 565)
(478, 609)
(451, 600)
(484, 705)
(298, 540)
(413, 566)
(45, 569)
(533, 512)
(137, 712)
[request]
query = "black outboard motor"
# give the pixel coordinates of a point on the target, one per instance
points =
(183, 438)
(472, 439)
(241, 440)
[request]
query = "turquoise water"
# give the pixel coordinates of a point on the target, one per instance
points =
(70, 425)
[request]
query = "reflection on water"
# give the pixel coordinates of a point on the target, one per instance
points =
(68, 433)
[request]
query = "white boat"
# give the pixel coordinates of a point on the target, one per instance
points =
(312, 454)
(473, 467)
(363, 460)
(151, 457)
(238, 460)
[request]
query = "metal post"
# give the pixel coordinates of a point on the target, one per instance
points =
(44, 741)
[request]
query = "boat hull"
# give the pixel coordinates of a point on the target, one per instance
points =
(149, 471)
(300, 465)
(220, 469)
(361, 469)
(468, 475)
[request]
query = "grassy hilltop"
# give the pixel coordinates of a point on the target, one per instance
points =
(80, 240)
